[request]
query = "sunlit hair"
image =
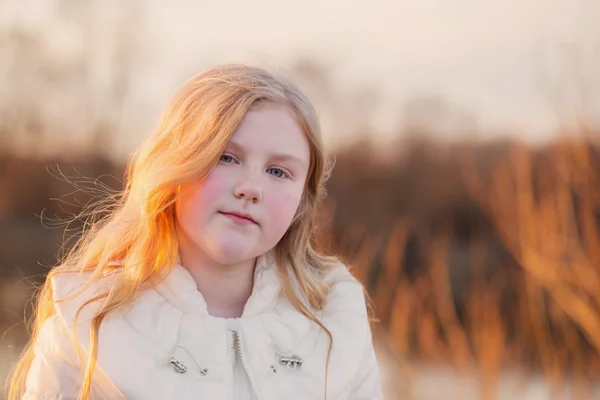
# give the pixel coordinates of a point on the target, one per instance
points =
(137, 237)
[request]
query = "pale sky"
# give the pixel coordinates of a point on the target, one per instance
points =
(484, 58)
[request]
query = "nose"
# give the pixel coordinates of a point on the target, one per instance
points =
(248, 189)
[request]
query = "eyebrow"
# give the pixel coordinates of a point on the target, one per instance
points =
(282, 157)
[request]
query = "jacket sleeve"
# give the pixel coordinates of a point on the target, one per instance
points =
(367, 382)
(348, 318)
(54, 372)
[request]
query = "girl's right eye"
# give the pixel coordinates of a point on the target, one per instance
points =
(226, 158)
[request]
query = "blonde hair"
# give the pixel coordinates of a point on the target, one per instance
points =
(138, 235)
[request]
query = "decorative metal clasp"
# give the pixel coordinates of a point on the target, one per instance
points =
(177, 366)
(291, 362)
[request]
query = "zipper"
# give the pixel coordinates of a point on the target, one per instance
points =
(235, 340)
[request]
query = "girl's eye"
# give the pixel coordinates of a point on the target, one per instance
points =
(277, 172)
(226, 158)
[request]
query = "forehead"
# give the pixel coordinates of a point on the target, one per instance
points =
(273, 129)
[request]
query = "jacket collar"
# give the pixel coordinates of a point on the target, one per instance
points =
(180, 289)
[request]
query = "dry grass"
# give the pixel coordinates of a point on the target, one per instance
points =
(482, 261)
(517, 288)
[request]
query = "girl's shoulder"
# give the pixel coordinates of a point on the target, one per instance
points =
(346, 293)
(78, 295)
(66, 284)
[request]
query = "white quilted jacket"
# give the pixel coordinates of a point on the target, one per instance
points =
(166, 345)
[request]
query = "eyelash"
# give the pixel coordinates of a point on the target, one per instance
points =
(285, 174)
(226, 155)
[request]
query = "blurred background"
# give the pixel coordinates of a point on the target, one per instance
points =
(465, 193)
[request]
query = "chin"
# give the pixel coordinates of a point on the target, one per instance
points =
(229, 253)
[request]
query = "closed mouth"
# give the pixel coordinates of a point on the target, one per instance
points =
(240, 215)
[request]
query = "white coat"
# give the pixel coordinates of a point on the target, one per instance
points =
(165, 345)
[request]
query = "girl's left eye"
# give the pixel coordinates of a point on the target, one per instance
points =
(226, 158)
(277, 172)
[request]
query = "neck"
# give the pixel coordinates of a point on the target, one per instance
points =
(225, 288)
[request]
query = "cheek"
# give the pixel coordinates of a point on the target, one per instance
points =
(200, 198)
(282, 209)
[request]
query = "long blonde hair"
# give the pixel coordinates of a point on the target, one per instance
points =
(139, 233)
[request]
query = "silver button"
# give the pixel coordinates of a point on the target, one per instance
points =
(177, 365)
(291, 362)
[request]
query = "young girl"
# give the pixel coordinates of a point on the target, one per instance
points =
(202, 283)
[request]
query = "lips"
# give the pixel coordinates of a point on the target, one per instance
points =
(239, 217)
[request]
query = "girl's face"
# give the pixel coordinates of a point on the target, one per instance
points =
(248, 200)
